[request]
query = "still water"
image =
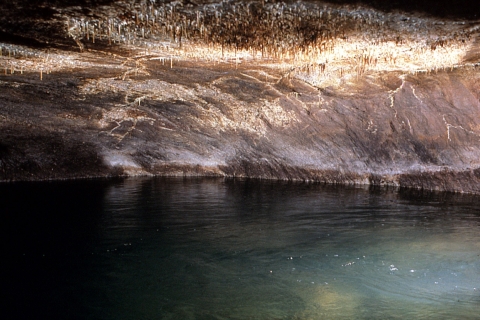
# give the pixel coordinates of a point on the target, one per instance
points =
(229, 249)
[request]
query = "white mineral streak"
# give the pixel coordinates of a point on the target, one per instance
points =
(251, 117)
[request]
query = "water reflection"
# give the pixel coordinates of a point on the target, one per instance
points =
(229, 249)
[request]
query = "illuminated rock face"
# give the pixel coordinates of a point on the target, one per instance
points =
(370, 97)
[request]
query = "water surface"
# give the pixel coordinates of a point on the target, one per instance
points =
(229, 249)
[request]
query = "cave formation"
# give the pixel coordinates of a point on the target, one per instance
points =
(348, 92)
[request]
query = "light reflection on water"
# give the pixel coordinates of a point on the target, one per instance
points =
(223, 249)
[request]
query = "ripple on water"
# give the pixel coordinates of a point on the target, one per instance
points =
(218, 249)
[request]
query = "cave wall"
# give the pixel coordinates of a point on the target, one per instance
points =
(419, 130)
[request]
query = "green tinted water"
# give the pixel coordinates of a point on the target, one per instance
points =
(215, 249)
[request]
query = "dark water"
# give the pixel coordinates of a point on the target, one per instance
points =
(216, 249)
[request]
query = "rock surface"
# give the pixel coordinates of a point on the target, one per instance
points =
(113, 113)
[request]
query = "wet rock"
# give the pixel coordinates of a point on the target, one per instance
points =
(107, 114)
